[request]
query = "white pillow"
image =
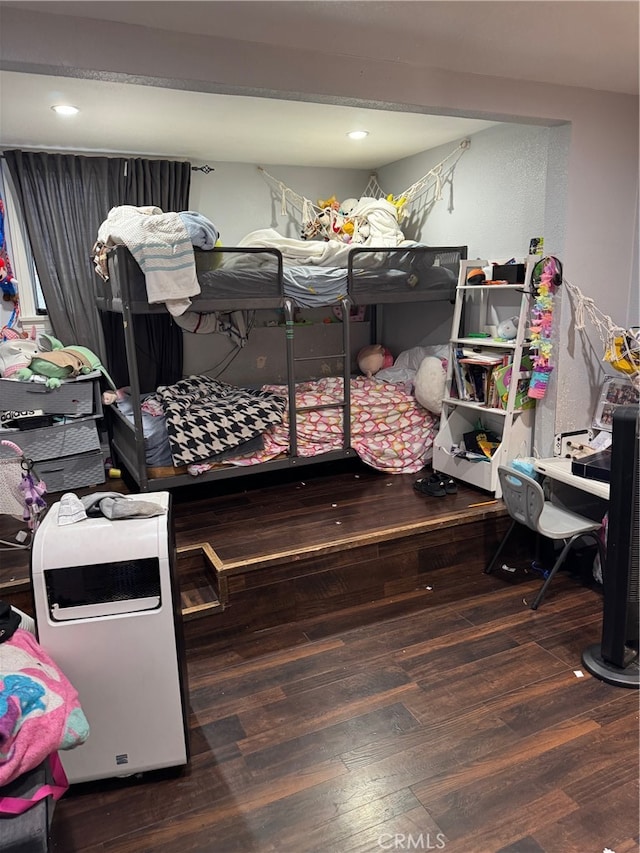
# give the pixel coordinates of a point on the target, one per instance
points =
(412, 358)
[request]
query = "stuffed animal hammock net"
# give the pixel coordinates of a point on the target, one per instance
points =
(348, 221)
(621, 346)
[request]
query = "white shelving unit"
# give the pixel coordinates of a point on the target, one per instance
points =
(478, 311)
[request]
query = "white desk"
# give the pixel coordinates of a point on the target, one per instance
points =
(559, 468)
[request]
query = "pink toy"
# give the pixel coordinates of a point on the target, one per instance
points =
(16, 351)
(373, 358)
(32, 491)
(29, 490)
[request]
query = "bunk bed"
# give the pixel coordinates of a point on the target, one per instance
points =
(250, 278)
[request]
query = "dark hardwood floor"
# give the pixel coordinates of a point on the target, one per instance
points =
(366, 687)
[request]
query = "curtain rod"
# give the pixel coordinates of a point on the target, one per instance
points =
(206, 168)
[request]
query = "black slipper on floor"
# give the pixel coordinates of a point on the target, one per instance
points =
(450, 486)
(432, 486)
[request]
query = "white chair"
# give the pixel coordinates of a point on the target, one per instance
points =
(527, 505)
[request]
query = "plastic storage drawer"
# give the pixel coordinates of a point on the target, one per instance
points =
(79, 396)
(54, 441)
(72, 472)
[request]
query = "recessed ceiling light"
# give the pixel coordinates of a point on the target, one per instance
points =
(65, 110)
(358, 134)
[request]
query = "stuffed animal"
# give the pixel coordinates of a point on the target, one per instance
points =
(398, 203)
(321, 225)
(373, 358)
(33, 491)
(429, 383)
(347, 206)
(337, 221)
(331, 203)
(58, 362)
(8, 284)
(17, 353)
(508, 329)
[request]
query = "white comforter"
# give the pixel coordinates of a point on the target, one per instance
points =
(384, 232)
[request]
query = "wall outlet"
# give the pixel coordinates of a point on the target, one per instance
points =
(573, 444)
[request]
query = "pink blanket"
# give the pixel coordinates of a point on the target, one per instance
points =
(390, 430)
(39, 709)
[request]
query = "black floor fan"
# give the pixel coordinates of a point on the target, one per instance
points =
(615, 658)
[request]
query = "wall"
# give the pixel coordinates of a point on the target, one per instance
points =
(493, 202)
(602, 169)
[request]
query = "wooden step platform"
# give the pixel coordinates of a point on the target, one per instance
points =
(278, 551)
(267, 549)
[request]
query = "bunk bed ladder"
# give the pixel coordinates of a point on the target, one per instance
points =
(292, 360)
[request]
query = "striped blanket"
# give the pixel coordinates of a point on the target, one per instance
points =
(162, 247)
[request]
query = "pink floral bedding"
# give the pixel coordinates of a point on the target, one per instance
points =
(390, 430)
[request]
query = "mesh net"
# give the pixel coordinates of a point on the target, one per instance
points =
(328, 218)
(621, 347)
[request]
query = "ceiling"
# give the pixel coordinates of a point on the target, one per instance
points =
(222, 128)
(588, 44)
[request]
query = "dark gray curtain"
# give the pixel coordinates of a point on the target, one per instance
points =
(160, 182)
(165, 184)
(64, 199)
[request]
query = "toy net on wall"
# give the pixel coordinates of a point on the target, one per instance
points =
(621, 347)
(348, 221)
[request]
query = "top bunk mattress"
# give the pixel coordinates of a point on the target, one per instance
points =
(251, 278)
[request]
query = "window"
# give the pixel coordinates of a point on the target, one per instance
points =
(32, 305)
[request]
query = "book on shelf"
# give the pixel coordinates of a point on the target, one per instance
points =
(474, 375)
(483, 355)
(503, 377)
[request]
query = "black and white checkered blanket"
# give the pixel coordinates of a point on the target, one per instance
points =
(205, 417)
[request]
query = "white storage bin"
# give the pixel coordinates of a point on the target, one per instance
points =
(459, 422)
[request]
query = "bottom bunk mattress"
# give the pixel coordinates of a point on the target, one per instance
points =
(390, 431)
